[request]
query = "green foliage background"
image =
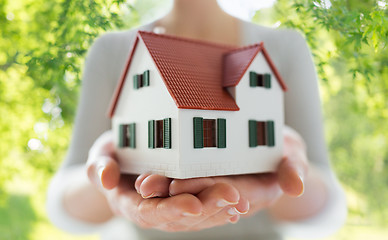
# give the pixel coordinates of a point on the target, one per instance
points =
(42, 48)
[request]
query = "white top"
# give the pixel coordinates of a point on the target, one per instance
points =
(104, 66)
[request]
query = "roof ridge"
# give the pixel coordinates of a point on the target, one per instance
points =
(243, 48)
(190, 40)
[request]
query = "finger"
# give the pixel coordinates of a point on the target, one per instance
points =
(125, 186)
(254, 186)
(291, 175)
(155, 186)
(139, 180)
(229, 214)
(192, 186)
(102, 169)
(292, 140)
(234, 219)
(159, 212)
(224, 216)
(213, 199)
(218, 203)
(218, 196)
(269, 198)
(242, 206)
(104, 172)
(173, 210)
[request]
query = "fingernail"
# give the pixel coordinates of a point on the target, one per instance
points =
(187, 214)
(148, 196)
(224, 203)
(100, 170)
(245, 212)
(232, 211)
(300, 175)
(171, 193)
(234, 219)
(301, 178)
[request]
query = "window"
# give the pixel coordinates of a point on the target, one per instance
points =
(127, 135)
(141, 80)
(259, 80)
(159, 133)
(209, 132)
(261, 133)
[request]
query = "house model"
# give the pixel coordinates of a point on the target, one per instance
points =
(187, 108)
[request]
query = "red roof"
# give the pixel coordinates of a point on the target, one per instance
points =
(193, 70)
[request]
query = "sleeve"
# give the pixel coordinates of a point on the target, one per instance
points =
(103, 66)
(303, 113)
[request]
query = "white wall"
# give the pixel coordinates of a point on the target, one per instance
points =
(141, 105)
(255, 103)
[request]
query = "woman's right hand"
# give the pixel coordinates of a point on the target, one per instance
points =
(156, 209)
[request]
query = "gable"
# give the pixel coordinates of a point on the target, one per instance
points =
(238, 61)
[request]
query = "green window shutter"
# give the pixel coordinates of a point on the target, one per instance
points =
(146, 78)
(252, 79)
(121, 135)
(270, 133)
(221, 133)
(132, 134)
(267, 80)
(136, 81)
(151, 134)
(167, 133)
(252, 133)
(198, 132)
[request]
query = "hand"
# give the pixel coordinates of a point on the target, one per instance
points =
(215, 205)
(259, 190)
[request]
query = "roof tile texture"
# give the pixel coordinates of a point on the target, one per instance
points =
(191, 70)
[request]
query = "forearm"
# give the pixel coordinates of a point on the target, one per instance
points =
(309, 204)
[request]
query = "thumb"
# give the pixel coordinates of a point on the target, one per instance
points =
(291, 177)
(105, 172)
